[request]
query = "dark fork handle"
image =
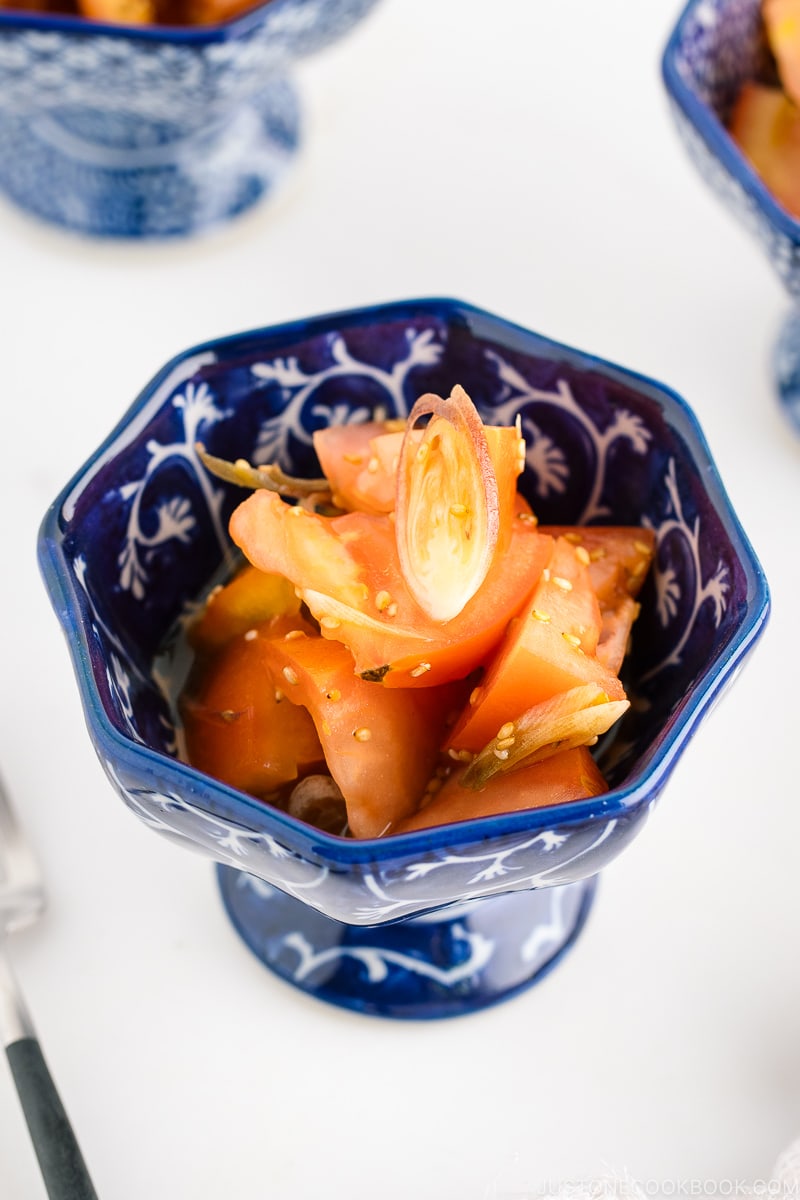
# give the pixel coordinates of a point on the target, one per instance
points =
(60, 1159)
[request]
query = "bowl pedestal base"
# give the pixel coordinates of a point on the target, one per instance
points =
(453, 961)
(122, 175)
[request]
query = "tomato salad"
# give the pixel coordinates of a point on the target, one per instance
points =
(405, 645)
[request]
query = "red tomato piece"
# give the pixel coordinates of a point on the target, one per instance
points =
(348, 571)
(619, 558)
(236, 726)
(381, 745)
(360, 463)
(569, 775)
(548, 649)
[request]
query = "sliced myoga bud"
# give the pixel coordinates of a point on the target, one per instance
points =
(447, 520)
(573, 718)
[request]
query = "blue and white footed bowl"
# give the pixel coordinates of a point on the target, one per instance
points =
(716, 46)
(439, 921)
(154, 131)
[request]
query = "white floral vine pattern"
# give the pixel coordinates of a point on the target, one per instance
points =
(265, 862)
(298, 388)
(714, 590)
(548, 461)
(174, 518)
(378, 961)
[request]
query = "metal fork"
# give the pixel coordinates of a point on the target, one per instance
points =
(22, 901)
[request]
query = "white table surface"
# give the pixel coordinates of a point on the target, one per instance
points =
(519, 155)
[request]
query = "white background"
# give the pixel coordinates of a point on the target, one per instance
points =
(519, 155)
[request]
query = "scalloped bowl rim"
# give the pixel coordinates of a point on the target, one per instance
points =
(649, 777)
(716, 136)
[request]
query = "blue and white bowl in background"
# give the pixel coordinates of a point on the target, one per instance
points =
(715, 47)
(438, 921)
(154, 131)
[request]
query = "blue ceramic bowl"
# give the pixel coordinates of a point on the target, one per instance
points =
(154, 132)
(138, 533)
(716, 46)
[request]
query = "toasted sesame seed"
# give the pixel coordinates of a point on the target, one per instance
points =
(289, 675)
(561, 582)
(363, 734)
(421, 669)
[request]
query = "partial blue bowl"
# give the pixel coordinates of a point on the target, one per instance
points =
(123, 131)
(715, 47)
(442, 921)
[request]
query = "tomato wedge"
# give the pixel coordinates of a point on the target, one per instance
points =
(360, 463)
(236, 726)
(549, 649)
(348, 573)
(569, 775)
(619, 558)
(380, 745)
